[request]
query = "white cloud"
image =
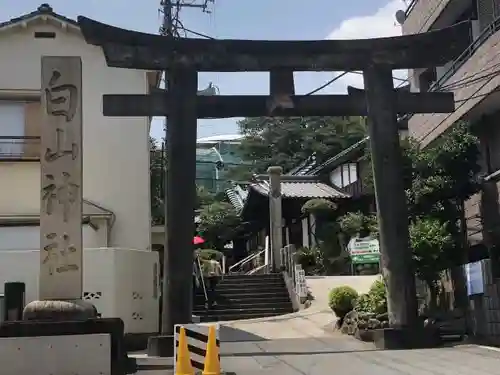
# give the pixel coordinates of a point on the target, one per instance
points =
(379, 24)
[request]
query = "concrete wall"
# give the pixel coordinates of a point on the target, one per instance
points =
(121, 283)
(423, 15)
(116, 150)
(320, 286)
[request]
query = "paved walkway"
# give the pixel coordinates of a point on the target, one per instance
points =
(304, 343)
(348, 356)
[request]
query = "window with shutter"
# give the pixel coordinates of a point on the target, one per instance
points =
(32, 122)
(11, 128)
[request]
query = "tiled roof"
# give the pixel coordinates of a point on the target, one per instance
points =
(301, 189)
(42, 10)
(237, 196)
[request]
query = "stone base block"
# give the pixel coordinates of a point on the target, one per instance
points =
(406, 338)
(120, 364)
(161, 346)
(53, 310)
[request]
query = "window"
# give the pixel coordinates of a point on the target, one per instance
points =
(11, 127)
(344, 175)
(336, 177)
(353, 173)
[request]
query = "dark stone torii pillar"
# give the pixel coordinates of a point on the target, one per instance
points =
(185, 57)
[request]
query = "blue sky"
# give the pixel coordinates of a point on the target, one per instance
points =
(239, 19)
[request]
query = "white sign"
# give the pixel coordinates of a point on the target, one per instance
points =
(364, 250)
(361, 246)
(474, 277)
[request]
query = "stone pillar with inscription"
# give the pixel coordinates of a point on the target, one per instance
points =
(275, 216)
(61, 252)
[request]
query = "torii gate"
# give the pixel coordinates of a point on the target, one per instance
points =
(184, 58)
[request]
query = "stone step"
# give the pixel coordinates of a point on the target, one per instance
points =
(248, 296)
(218, 310)
(239, 316)
(250, 299)
(224, 305)
(271, 289)
(223, 287)
(252, 282)
(254, 277)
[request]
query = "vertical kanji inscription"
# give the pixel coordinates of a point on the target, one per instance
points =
(61, 179)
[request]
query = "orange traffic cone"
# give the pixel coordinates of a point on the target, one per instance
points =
(183, 364)
(212, 362)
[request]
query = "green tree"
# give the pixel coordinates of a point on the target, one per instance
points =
(288, 141)
(446, 175)
(204, 197)
(354, 224)
(431, 243)
(157, 194)
(218, 222)
(439, 179)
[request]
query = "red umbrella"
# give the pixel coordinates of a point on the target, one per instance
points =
(197, 240)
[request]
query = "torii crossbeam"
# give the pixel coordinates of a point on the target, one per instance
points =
(184, 58)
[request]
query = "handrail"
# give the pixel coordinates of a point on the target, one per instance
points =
(410, 7)
(202, 278)
(246, 260)
(255, 270)
(294, 271)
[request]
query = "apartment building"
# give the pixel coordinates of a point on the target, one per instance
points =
(474, 78)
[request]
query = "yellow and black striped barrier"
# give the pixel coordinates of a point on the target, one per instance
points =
(196, 351)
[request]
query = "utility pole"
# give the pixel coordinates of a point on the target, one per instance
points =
(166, 27)
(176, 286)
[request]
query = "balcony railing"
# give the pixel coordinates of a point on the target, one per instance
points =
(460, 60)
(410, 7)
(19, 148)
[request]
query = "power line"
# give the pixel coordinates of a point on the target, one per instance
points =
(461, 102)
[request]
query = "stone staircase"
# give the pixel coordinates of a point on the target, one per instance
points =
(246, 297)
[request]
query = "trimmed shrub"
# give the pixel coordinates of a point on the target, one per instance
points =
(378, 296)
(363, 303)
(341, 300)
(375, 301)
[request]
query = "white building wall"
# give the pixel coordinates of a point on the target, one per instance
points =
(109, 282)
(116, 150)
(28, 237)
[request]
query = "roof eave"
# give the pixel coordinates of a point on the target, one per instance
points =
(24, 21)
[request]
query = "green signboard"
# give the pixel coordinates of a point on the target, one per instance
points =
(364, 250)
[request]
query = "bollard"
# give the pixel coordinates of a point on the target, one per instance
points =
(183, 364)
(212, 361)
(13, 301)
